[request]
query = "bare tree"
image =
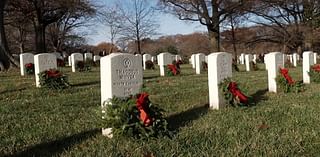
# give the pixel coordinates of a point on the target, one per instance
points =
(137, 21)
(77, 16)
(112, 19)
(286, 22)
(209, 13)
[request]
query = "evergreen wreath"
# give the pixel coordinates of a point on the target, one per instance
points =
(232, 94)
(314, 73)
(135, 117)
(53, 79)
(172, 69)
(29, 68)
(287, 84)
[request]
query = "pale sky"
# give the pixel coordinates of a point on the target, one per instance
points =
(169, 25)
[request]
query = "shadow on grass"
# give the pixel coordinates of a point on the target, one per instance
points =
(259, 96)
(181, 119)
(54, 148)
(13, 90)
(85, 84)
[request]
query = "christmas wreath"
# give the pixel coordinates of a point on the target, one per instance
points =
(135, 117)
(232, 94)
(29, 68)
(172, 69)
(315, 73)
(53, 79)
(287, 84)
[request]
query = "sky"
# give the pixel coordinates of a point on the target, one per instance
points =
(169, 25)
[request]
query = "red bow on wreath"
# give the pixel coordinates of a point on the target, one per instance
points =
(173, 69)
(316, 68)
(29, 65)
(285, 74)
(143, 107)
(53, 73)
(233, 88)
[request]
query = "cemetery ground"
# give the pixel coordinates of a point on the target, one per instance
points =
(41, 122)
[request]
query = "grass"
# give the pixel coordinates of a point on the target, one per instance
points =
(40, 122)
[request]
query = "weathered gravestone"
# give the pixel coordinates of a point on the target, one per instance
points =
(75, 57)
(25, 58)
(121, 76)
(315, 56)
(274, 61)
(295, 59)
(200, 57)
(219, 68)
(248, 59)
(42, 62)
(146, 57)
(306, 63)
(164, 59)
(96, 58)
(88, 57)
(193, 61)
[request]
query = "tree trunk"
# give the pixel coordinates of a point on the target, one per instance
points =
(5, 57)
(233, 39)
(214, 39)
(21, 47)
(40, 38)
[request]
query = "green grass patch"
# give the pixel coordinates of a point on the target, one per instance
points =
(42, 122)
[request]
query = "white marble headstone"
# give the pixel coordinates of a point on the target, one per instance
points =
(69, 61)
(242, 58)
(315, 56)
(306, 63)
(219, 68)
(146, 57)
(255, 59)
(25, 58)
(248, 59)
(42, 62)
(193, 61)
(88, 57)
(75, 57)
(295, 59)
(121, 76)
(274, 62)
(200, 57)
(96, 58)
(164, 59)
